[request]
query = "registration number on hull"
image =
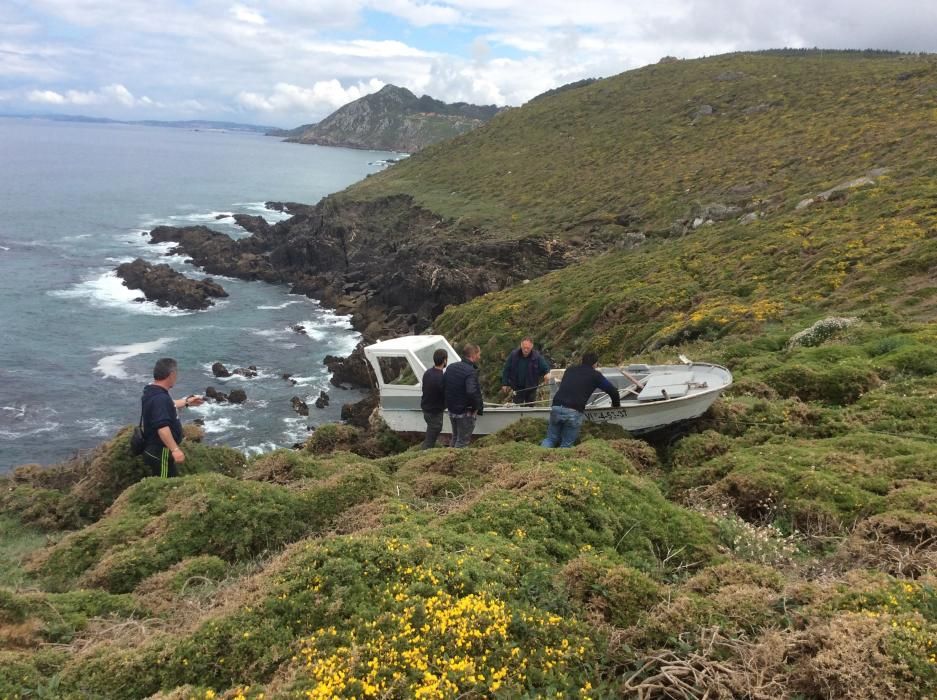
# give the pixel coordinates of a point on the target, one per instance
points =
(607, 416)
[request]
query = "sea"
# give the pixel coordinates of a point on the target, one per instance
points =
(76, 348)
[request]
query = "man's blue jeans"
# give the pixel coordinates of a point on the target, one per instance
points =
(564, 427)
(462, 428)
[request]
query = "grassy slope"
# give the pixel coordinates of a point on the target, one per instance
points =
(634, 144)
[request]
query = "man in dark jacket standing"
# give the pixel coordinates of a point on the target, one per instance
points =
(464, 394)
(569, 404)
(161, 425)
(434, 399)
(523, 372)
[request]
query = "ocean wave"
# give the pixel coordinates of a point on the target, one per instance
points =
(112, 365)
(231, 366)
(27, 432)
(272, 307)
(3, 247)
(108, 290)
(261, 208)
(222, 425)
(98, 427)
(201, 218)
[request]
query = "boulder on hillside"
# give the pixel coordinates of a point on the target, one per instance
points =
(165, 286)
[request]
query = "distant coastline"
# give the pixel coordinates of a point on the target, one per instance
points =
(192, 124)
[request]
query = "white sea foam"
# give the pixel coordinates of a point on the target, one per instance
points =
(272, 307)
(26, 432)
(3, 247)
(201, 218)
(108, 290)
(261, 208)
(97, 427)
(222, 425)
(112, 365)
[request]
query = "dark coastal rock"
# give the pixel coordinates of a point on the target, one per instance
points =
(219, 370)
(288, 378)
(252, 224)
(351, 371)
(165, 286)
(299, 328)
(219, 217)
(359, 413)
(291, 208)
(250, 371)
(323, 400)
(299, 406)
(237, 396)
(212, 394)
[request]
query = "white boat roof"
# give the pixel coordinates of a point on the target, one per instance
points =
(407, 343)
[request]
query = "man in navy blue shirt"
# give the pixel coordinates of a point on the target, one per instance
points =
(569, 404)
(434, 399)
(161, 425)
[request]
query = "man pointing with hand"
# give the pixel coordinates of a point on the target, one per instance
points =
(161, 425)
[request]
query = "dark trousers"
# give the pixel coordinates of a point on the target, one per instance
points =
(433, 428)
(525, 396)
(160, 461)
(462, 428)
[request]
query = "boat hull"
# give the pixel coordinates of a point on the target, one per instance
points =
(634, 417)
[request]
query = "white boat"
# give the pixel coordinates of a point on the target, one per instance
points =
(652, 396)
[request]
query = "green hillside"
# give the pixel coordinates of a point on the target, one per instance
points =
(638, 147)
(785, 548)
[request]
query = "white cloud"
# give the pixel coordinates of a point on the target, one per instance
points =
(48, 97)
(246, 14)
(115, 94)
(323, 97)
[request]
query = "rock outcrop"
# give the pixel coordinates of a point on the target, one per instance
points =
(166, 287)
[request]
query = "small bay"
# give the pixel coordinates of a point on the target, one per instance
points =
(76, 348)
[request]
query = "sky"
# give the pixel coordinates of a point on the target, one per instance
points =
(289, 62)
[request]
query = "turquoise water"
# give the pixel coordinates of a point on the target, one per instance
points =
(76, 350)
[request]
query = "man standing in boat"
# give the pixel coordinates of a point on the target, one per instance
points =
(523, 372)
(434, 398)
(464, 394)
(569, 404)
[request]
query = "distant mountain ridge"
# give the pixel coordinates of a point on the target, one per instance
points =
(392, 119)
(179, 124)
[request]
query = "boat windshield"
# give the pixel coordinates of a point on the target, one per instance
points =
(397, 370)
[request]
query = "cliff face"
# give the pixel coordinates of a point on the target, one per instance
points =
(393, 119)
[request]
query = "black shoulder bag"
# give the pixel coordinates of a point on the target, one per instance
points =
(137, 437)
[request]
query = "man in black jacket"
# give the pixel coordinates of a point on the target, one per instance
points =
(464, 394)
(434, 399)
(569, 404)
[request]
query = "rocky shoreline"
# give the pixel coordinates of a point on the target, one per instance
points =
(391, 265)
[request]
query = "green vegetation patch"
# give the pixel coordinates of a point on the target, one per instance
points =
(157, 523)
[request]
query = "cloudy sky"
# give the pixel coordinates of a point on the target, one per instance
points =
(286, 62)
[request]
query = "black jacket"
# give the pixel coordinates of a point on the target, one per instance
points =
(159, 411)
(578, 384)
(463, 390)
(434, 399)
